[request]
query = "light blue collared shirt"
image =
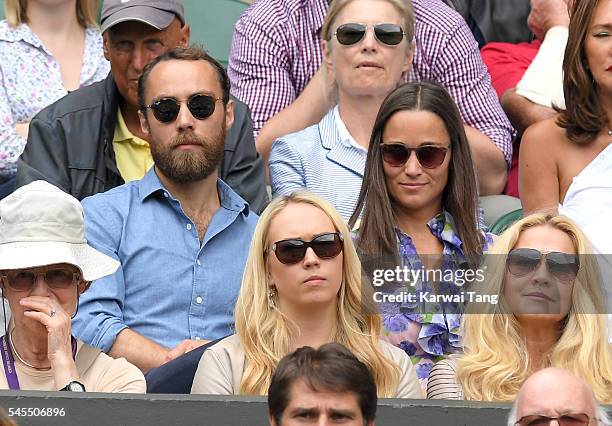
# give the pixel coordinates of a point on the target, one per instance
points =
(169, 286)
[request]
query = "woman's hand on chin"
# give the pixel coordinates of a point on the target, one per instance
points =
(48, 311)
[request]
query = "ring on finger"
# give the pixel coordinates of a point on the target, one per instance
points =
(53, 312)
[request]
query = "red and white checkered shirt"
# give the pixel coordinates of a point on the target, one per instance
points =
(276, 49)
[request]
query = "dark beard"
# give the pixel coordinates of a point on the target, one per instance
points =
(186, 167)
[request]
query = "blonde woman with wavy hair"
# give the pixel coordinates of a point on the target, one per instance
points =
(302, 286)
(550, 314)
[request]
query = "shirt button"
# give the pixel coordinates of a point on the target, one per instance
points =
(198, 262)
(189, 226)
(199, 300)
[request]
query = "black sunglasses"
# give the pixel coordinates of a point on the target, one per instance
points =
(389, 34)
(293, 250)
(397, 154)
(167, 109)
(55, 278)
(562, 266)
(579, 419)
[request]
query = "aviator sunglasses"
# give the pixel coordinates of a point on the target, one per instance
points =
(55, 278)
(562, 266)
(293, 250)
(579, 419)
(201, 107)
(389, 34)
(397, 154)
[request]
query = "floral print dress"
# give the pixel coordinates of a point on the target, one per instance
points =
(428, 330)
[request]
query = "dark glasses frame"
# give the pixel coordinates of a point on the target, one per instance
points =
(173, 107)
(568, 419)
(437, 154)
(318, 244)
(353, 32)
(557, 263)
(7, 279)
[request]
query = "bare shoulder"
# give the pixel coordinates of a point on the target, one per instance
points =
(544, 135)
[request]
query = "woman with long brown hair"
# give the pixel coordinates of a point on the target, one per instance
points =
(419, 201)
(565, 161)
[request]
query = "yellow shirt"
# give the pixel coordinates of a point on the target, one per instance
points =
(132, 154)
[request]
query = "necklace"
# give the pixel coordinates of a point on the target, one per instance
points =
(21, 359)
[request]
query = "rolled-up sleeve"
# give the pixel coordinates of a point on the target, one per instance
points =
(286, 169)
(100, 316)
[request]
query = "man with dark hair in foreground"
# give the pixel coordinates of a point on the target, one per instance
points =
(326, 386)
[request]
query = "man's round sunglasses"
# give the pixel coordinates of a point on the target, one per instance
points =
(55, 278)
(201, 107)
(523, 261)
(397, 154)
(389, 34)
(293, 250)
(578, 419)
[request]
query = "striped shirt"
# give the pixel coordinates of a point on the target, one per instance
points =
(322, 159)
(276, 49)
(442, 382)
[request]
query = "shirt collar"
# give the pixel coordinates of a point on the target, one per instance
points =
(122, 133)
(345, 137)
(21, 33)
(442, 226)
(150, 184)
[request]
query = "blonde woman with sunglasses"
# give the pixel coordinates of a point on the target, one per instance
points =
(550, 314)
(302, 286)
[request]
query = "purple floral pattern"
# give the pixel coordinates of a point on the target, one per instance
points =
(31, 79)
(428, 331)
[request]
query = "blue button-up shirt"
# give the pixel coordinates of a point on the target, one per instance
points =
(170, 286)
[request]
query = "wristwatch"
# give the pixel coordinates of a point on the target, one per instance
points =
(74, 387)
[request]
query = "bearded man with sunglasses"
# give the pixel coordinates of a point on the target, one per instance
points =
(181, 234)
(90, 141)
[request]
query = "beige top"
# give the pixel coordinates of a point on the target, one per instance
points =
(442, 383)
(221, 367)
(98, 372)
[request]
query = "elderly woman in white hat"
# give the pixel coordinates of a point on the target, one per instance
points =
(45, 264)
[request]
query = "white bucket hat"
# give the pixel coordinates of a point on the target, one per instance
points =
(41, 225)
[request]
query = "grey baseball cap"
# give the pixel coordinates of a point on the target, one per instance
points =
(156, 13)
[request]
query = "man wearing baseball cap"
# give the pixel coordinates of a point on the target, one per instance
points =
(90, 141)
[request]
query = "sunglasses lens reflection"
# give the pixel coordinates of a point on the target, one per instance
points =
(325, 246)
(58, 279)
(397, 154)
(201, 107)
(562, 266)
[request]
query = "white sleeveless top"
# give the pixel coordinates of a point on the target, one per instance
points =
(589, 203)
